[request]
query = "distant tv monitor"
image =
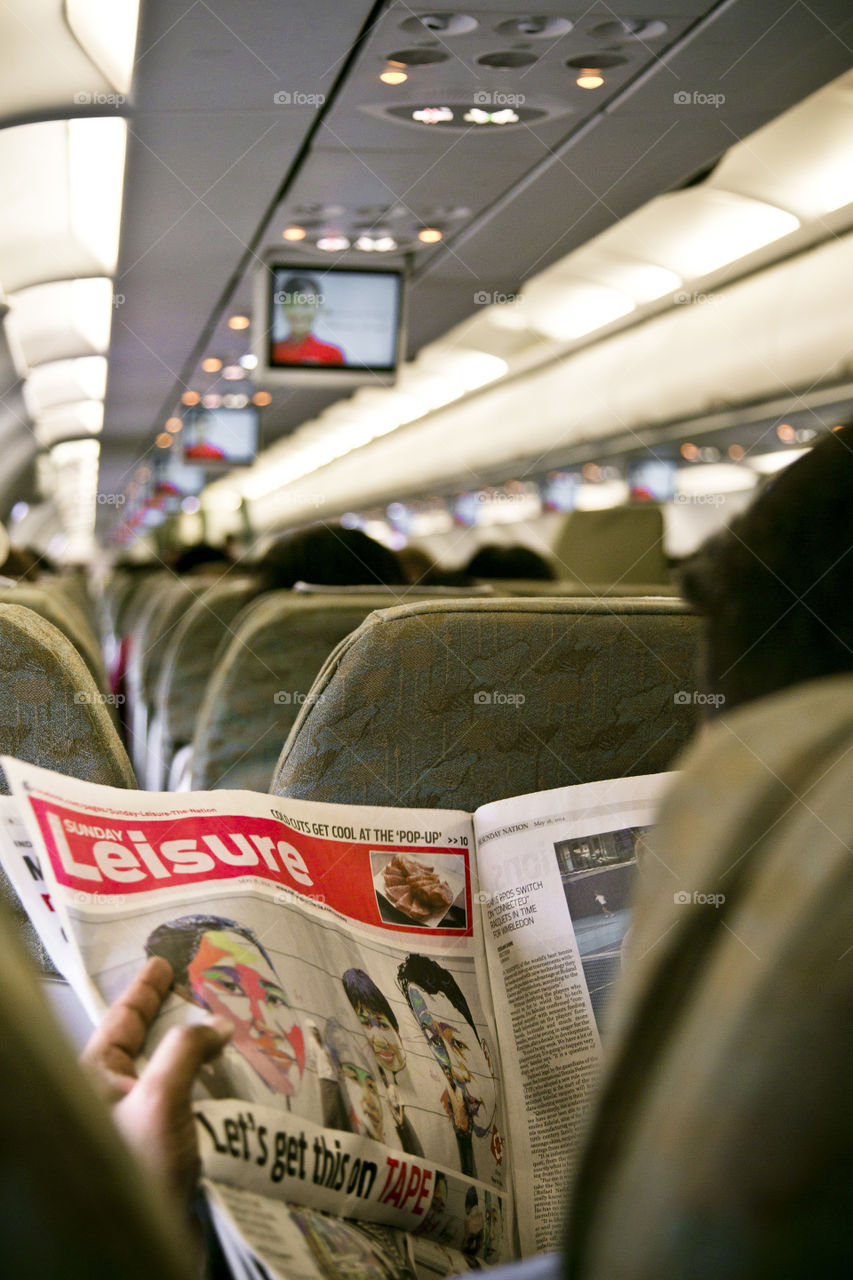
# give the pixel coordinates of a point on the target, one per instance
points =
(651, 479)
(327, 325)
(220, 438)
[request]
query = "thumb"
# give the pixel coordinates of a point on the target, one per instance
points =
(168, 1078)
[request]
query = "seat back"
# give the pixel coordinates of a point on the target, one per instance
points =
(454, 703)
(722, 1142)
(262, 679)
(52, 714)
(618, 545)
(188, 663)
(56, 607)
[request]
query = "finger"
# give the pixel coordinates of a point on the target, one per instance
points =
(113, 1046)
(175, 1063)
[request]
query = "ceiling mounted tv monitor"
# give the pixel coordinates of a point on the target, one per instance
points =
(217, 439)
(329, 326)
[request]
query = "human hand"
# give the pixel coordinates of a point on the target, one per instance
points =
(153, 1110)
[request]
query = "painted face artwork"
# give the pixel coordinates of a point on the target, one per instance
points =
(459, 1053)
(384, 1041)
(363, 1096)
(230, 977)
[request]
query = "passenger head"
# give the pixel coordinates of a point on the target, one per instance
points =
(201, 556)
(775, 587)
(221, 966)
(516, 561)
(329, 555)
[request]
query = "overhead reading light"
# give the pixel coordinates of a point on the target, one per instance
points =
(190, 397)
(590, 78)
(294, 233)
(238, 322)
(249, 361)
(333, 244)
(261, 398)
(174, 425)
(211, 364)
(393, 76)
(211, 400)
(376, 244)
(164, 440)
(430, 235)
(476, 115)
(233, 373)
(433, 115)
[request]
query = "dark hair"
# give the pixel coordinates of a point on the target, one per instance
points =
(775, 587)
(301, 284)
(178, 941)
(199, 553)
(435, 980)
(516, 561)
(330, 555)
(471, 1199)
(363, 993)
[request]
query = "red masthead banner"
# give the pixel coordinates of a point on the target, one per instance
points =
(114, 856)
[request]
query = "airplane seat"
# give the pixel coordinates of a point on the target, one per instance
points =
(52, 714)
(279, 643)
(525, 587)
(75, 1203)
(451, 704)
(163, 611)
(61, 612)
(618, 545)
(188, 662)
(722, 1143)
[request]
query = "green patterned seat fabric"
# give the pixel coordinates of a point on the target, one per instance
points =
(452, 704)
(618, 545)
(58, 609)
(280, 643)
(189, 659)
(722, 1141)
(160, 610)
(52, 714)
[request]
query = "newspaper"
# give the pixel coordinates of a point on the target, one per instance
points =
(357, 1124)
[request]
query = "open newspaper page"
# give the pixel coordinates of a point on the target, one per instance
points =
(556, 871)
(344, 945)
